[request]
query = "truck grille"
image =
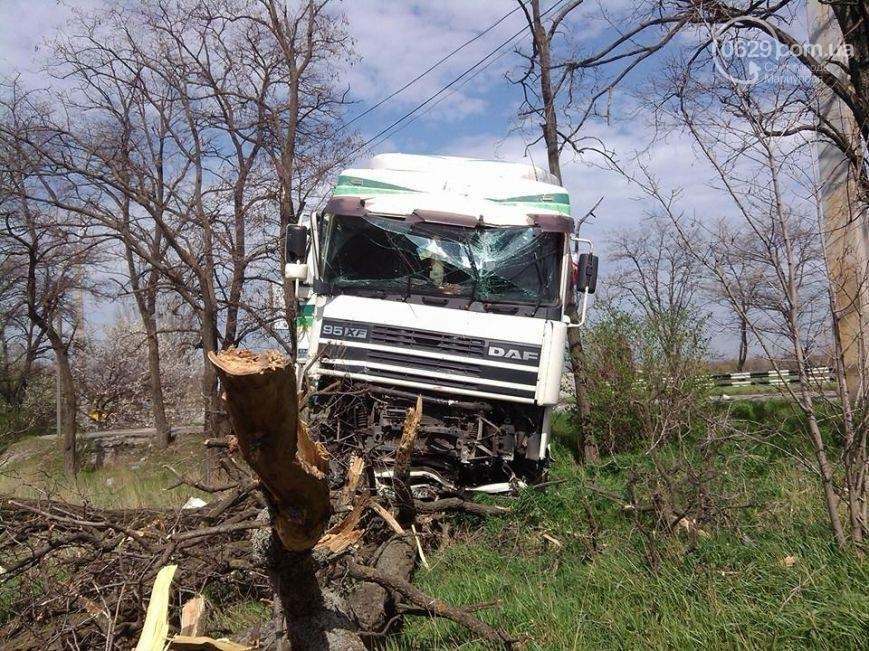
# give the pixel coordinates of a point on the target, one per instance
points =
(427, 340)
(427, 357)
(442, 365)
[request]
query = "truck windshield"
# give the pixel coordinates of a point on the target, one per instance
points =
(511, 265)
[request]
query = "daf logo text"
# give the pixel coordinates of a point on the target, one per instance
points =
(513, 353)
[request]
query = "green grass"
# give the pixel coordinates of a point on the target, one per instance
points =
(33, 467)
(238, 618)
(733, 589)
(730, 589)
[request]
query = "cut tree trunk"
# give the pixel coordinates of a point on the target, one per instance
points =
(314, 611)
(261, 398)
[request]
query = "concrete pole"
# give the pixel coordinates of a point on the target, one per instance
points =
(846, 225)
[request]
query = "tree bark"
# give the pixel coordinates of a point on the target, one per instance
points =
(550, 125)
(210, 394)
(262, 403)
(146, 302)
(743, 344)
(68, 408)
(586, 446)
(158, 405)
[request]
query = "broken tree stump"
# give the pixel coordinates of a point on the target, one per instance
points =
(260, 392)
(401, 470)
(261, 399)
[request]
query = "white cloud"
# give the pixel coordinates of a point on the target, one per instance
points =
(25, 28)
(398, 40)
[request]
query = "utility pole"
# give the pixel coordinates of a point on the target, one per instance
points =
(845, 219)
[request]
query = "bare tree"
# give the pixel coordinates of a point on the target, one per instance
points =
(739, 298)
(581, 83)
(541, 101)
(764, 178)
(47, 246)
(191, 132)
(658, 277)
(302, 112)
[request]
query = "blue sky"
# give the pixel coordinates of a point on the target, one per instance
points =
(396, 40)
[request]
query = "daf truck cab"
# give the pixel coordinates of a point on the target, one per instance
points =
(446, 279)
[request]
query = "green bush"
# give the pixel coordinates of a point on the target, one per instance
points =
(646, 381)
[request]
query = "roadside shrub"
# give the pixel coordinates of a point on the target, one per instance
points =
(35, 414)
(646, 380)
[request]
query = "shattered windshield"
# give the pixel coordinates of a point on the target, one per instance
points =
(512, 265)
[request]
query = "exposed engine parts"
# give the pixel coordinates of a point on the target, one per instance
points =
(458, 441)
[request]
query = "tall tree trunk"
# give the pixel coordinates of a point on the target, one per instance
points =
(743, 344)
(854, 446)
(586, 446)
(287, 217)
(826, 472)
(146, 302)
(550, 123)
(67, 408)
(213, 409)
(158, 406)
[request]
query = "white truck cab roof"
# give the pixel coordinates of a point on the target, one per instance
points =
(492, 193)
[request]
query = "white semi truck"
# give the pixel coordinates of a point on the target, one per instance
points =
(446, 278)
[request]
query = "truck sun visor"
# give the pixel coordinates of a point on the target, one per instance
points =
(440, 217)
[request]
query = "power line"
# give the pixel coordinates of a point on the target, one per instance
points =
(430, 108)
(432, 67)
(443, 89)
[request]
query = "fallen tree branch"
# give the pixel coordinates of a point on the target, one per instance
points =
(458, 504)
(224, 528)
(430, 604)
(205, 488)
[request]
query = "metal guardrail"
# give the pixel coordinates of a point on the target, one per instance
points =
(744, 379)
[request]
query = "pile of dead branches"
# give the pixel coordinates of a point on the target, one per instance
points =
(79, 577)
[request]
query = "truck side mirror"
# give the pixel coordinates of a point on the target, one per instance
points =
(296, 243)
(586, 277)
(296, 250)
